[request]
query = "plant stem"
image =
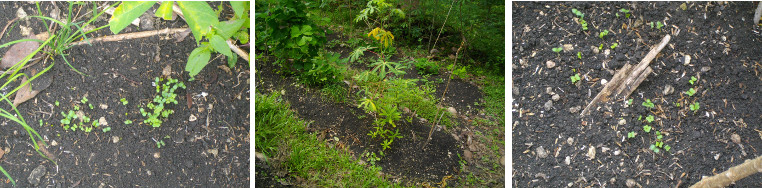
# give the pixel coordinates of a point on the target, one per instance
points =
(733, 174)
(125, 36)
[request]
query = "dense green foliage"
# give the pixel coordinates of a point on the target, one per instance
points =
(294, 36)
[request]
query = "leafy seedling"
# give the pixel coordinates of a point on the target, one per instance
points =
(648, 103)
(659, 25)
(631, 134)
(649, 118)
(614, 45)
(84, 100)
(127, 122)
(106, 129)
(693, 80)
(579, 55)
(603, 33)
(124, 101)
(629, 102)
(694, 107)
(647, 128)
(691, 92)
(557, 49)
(654, 148)
(600, 47)
(578, 13)
(581, 19)
(57, 104)
(667, 147)
(625, 11)
(575, 78)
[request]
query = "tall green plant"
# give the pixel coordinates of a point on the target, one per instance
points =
(203, 22)
(295, 38)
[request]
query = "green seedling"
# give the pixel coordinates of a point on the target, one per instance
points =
(648, 103)
(631, 134)
(629, 102)
(127, 122)
(581, 19)
(57, 104)
(84, 100)
(625, 11)
(160, 143)
(575, 78)
(659, 25)
(693, 80)
(578, 13)
(603, 33)
(106, 129)
(165, 95)
(654, 148)
(579, 55)
(694, 107)
(667, 147)
(600, 47)
(614, 45)
(649, 118)
(557, 49)
(640, 117)
(647, 128)
(124, 101)
(690, 92)
(90, 105)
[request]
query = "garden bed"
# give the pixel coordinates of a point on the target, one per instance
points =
(205, 141)
(553, 145)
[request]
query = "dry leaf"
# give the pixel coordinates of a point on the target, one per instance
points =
(24, 94)
(18, 52)
(181, 35)
(166, 71)
(2, 152)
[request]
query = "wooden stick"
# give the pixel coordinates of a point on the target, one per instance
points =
(749, 167)
(630, 87)
(644, 63)
(614, 83)
(135, 35)
(757, 14)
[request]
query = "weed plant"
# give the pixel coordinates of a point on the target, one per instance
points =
(165, 95)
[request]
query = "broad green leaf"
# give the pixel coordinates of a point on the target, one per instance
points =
(200, 17)
(307, 30)
(197, 60)
(239, 7)
(219, 45)
(295, 31)
(165, 10)
(227, 29)
(242, 36)
(126, 12)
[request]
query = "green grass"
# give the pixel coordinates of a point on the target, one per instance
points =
(280, 133)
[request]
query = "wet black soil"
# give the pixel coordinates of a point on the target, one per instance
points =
(206, 139)
(725, 50)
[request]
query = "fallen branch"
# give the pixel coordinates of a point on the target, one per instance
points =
(627, 79)
(751, 166)
(135, 35)
(757, 14)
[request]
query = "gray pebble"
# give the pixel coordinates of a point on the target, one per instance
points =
(541, 152)
(548, 105)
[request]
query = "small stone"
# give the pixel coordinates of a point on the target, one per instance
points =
(541, 175)
(631, 183)
(606, 52)
(735, 138)
(21, 14)
(604, 81)
(683, 6)
(25, 31)
(717, 157)
(167, 71)
(114, 139)
(605, 149)
(452, 111)
(591, 153)
(617, 152)
(556, 97)
(595, 49)
(567, 161)
(37, 173)
(548, 90)
(148, 172)
(550, 64)
(668, 89)
(541, 152)
(548, 105)
(687, 60)
(568, 47)
(612, 180)
(102, 121)
(103, 106)
(570, 140)
(423, 120)
(212, 151)
(192, 118)
(156, 155)
(705, 68)
(575, 109)
(622, 122)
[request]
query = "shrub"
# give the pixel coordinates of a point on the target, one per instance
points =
(425, 66)
(326, 69)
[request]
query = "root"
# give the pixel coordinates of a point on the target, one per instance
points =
(126, 36)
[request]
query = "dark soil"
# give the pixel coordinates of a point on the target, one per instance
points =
(410, 161)
(721, 40)
(210, 151)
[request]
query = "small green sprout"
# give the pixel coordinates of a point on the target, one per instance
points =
(124, 101)
(648, 103)
(631, 134)
(650, 118)
(667, 147)
(694, 107)
(575, 78)
(76, 108)
(614, 45)
(127, 122)
(693, 80)
(659, 25)
(579, 55)
(578, 13)
(640, 117)
(160, 143)
(654, 148)
(90, 105)
(603, 33)
(690, 92)
(659, 144)
(600, 47)
(617, 14)
(65, 121)
(625, 11)
(57, 104)
(557, 49)
(629, 102)
(106, 129)
(84, 100)
(647, 128)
